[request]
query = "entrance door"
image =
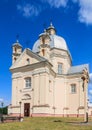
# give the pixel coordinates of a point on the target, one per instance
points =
(26, 109)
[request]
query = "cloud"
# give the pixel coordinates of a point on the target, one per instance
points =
(85, 11)
(90, 79)
(1, 99)
(4, 101)
(90, 104)
(90, 91)
(56, 3)
(28, 10)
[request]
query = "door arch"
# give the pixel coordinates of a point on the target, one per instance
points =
(26, 98)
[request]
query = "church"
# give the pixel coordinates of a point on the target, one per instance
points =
(44, 81)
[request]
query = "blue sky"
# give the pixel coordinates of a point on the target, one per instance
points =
(27, 18)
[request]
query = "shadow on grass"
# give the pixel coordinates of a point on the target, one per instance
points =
(79, 123)
(57, 121)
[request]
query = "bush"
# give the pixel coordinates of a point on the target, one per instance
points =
(4, 110)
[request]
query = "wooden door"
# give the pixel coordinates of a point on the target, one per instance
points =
(26, 109)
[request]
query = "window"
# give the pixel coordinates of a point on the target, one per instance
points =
(15, 49)
(28, 83)
(59, 68)
(43, 52)
(73, 88)
(28, 61)
(49, 85)
(14, 58)
(43, 40)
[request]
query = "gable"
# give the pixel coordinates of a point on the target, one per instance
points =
(27, 58)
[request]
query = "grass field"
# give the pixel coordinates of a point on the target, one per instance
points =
(46, 123)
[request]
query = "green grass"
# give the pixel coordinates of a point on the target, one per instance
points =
(46, 123)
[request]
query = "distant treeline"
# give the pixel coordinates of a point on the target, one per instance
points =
(4, 110)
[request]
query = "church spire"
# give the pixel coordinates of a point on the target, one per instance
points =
(51, 25)
(17, 38)
(16, 50)
(51, 29)
(17, 42)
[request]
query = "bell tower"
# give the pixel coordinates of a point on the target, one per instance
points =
(44, 44)
(16, 51)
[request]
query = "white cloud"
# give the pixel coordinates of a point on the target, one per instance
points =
(1, 99)
(57, 3)
(85, 11)
(28, 10)
(90, 79)
(90, 92)
(90, 104)
(33, 9)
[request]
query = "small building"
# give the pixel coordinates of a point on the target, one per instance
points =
(44, 81)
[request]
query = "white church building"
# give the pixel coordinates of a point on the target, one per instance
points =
(44, 82)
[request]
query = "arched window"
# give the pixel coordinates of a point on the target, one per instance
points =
(14, 58)
(43, 52)
(26, 96)
(28, 82)
(59, 68)
(43, 40)
(15, 49)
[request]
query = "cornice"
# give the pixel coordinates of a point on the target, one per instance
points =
(41, 105)
(69, 75)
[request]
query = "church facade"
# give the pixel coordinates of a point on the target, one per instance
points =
(44, 82)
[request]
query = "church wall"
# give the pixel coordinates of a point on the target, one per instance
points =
(19, 91)
(43, 86)
(75, 100)
(14, 93)
(39, 89)
(59, 95)
(26, 60)
(51, 93)
(59, 56)
(17, 87)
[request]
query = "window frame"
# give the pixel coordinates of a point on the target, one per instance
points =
(28, 82)
(60, 66)
(73, 89)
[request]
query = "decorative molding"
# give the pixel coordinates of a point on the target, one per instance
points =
(15, 107)
(66, 108)
(43, 105)
(17, 75)
(40, 71)
(53, 107)
(26, 98)
(80, 107)
(58, 55)
(45, 45)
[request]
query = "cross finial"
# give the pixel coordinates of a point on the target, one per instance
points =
(44, 25)
(51, 23)
(17, 38)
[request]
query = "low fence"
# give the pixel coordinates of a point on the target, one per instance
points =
(10, 119)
